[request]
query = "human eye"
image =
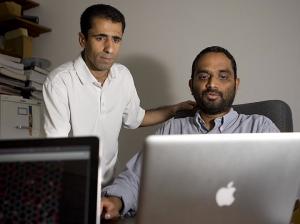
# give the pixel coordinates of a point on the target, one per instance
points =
(202, 76)
(117, 39)
(224, 75)
(100, 38)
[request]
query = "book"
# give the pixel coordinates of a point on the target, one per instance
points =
(40, 64)
(35, 85)
(11, 64)
(9, 90)
(18, 71)
(10, 58)
(12, 82)
(38, 95)
(12, 74)
(35, 76)
(41, 70)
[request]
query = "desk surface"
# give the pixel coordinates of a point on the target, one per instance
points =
(119, 221)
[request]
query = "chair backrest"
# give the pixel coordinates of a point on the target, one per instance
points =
(276, 110)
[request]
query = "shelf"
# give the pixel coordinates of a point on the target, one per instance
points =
(3, 51)
(34, 30)
(26, 4)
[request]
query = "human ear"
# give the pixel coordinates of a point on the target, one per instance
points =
(82, 40)
(191, 85)
(237, 84)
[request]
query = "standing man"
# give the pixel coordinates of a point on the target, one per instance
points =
(213, 84)
(93, 95)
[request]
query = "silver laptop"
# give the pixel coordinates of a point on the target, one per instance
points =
(226, 178)
(49, 180)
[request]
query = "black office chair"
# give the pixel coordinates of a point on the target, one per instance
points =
(276, 110)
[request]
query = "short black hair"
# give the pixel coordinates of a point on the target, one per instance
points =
(100, 11)
(214, 49)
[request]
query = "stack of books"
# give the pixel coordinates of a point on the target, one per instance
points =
(36, 76)
(12, 75)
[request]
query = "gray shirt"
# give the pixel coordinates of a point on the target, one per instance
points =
(126, 185)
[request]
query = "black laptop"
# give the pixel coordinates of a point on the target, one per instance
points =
(49, 180)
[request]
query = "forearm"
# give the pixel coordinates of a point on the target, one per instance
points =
(126, 185)
(162, 114)
(159, 115)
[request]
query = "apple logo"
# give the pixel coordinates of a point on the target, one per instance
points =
(224, 196)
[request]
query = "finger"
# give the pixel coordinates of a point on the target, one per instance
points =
(191, 102)
(107, 216)
(188, 105)
(111, 213)
(109, 210)
(103, 206)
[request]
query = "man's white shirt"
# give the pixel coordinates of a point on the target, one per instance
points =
(78, 105)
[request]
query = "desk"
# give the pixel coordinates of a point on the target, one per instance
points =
(296, 219)
(119, 221)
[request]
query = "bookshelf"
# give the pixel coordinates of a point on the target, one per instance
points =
(34, 30)
(13, 81)
(14, 22)
(3, 51)
(26, 4)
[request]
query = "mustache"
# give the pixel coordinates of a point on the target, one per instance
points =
(213, 91)
(104, 55)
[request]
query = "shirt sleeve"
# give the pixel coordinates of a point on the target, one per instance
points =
(133, 114)
(269, 127)
(126, 186)
(57, 113)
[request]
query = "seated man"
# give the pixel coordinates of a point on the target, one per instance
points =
(213, 84)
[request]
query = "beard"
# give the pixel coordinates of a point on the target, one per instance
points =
(213, 107)
(97, 62)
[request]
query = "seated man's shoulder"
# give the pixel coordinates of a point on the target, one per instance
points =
(254, 118)
(259, 123)
(175, 125)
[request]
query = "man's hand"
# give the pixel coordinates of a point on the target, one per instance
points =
(161, 114)
(111, 207)
(186, 105)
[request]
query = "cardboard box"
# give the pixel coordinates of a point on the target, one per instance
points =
(16, 33)
(296, 213)
(9, 9)
(20, 46)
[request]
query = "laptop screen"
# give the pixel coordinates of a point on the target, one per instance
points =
(219, 178)
(54, 181)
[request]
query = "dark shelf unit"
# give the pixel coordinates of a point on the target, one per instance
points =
(34, 30)
(26, 4)
(11, 23)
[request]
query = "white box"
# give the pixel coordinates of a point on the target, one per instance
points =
(19, 117)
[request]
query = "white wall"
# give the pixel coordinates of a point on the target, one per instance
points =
(163, 37)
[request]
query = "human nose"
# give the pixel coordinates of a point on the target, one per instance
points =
(108, 46)
(212, 82)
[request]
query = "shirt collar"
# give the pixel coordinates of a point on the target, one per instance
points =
(221, 122)
(84, 73)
